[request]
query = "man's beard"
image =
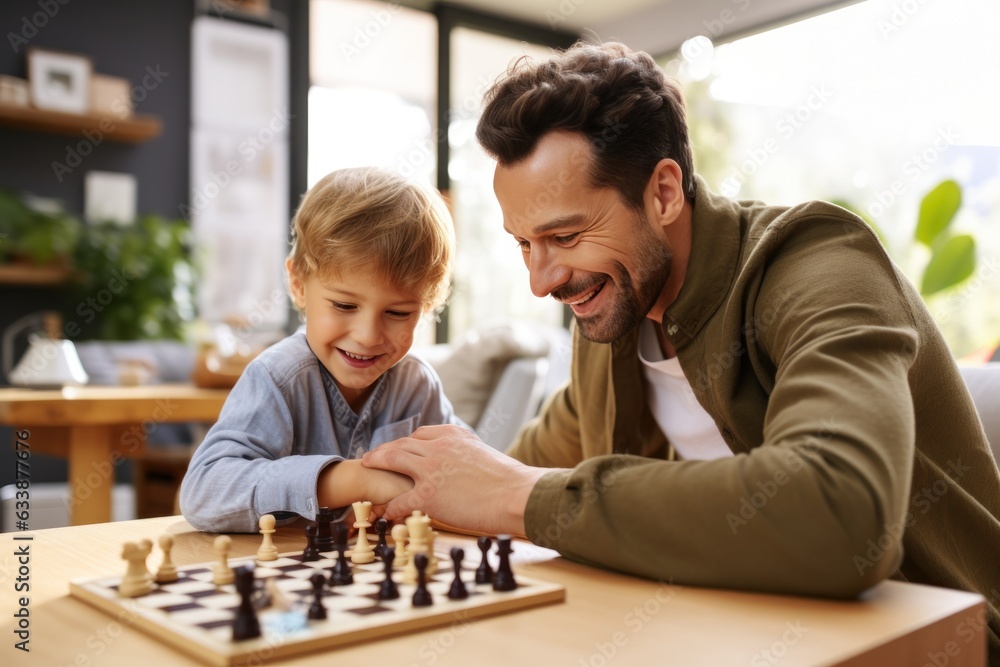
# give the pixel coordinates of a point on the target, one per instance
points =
(632, 303)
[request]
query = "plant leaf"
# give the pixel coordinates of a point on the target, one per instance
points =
(952, 263)
(937, 210)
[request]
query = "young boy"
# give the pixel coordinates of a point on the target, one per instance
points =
(371, 255)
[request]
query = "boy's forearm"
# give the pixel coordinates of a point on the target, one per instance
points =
(346, 482)
(341, 484)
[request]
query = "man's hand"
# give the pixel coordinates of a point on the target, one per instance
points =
(458, 480)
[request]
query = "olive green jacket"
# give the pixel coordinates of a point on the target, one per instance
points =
(858, 452)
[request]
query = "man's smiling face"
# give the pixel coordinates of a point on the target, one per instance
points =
(582, 244)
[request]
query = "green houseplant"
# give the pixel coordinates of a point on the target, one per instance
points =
(35, 231)
(136, 280)
(952, 258)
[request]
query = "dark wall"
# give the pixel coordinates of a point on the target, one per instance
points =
(123, 38)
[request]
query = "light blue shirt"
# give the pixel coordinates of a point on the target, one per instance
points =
(286, 420)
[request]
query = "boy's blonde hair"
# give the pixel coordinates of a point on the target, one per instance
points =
(363, 217)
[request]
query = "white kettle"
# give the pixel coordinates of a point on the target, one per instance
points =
(49, 362)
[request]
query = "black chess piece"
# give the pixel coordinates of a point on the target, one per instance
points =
(381, 526)
(324, 538)
(484, 573)
(457, 590)
(317, 612)
(245, 625)
(421, 596)
(504, 580)
(310, 552)
(388, 590)
(341, 574)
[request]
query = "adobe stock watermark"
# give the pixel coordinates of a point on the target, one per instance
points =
(95, 137)
(899, 15)
(773, 654)
(379, 20)
(794, 460)
(248, 149)
(635, 621)
(786, 127)
(954, 302)
(561, 521)
(971, 626)
(921, 503)
(913, 168)
(31, 24)
(434, 648)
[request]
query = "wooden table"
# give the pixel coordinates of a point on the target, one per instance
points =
(607, 620)
(95, 427)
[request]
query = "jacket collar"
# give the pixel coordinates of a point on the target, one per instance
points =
(711, 269)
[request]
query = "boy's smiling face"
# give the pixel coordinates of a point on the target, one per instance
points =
(356, 325)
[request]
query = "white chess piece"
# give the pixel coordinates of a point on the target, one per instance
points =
(267, 550)
(221, 572)
(399, 538)
(137, 580)
(167, 572)
(364, 552)
(418, 527)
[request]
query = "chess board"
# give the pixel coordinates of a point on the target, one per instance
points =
(195, 616)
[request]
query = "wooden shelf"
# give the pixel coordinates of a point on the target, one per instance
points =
(133, 129)
(30, 274)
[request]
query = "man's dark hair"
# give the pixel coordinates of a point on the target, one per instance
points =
(630, 112)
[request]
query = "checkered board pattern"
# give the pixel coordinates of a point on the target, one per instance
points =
(195, 616)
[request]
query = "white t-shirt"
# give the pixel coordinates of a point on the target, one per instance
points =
(687, 426)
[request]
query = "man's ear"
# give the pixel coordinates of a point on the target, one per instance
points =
(665, 192)
(296, 286)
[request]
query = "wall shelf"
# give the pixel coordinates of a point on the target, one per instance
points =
(134, 129)
(33, 274)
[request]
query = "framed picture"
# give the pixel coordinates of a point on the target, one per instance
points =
(59, 81)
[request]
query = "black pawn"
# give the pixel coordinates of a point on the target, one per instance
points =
(317, 612)
(421, 596)
(341, 574)
(324, 539)
(388, 590)
(504, 581)
(310, 552)
(484, 573)
(381, 526)
(245, 625)
(457, 590)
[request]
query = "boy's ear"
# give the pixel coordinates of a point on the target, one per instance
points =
(296, 286)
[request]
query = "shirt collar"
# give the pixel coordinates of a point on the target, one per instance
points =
(715, 248)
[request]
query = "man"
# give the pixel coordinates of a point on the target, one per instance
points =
(758, 399)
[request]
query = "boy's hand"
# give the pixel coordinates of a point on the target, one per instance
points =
(346, 482)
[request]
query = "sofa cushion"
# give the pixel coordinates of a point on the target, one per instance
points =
(471, 372)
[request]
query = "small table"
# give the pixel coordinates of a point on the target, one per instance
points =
(607, 619)
(95, 427)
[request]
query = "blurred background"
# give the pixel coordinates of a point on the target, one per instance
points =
(154, 153)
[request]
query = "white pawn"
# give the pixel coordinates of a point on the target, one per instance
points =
(399, 538)
(267, 550)
(221, 572)
(136, 581)
(167, 571)
(364, 552)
